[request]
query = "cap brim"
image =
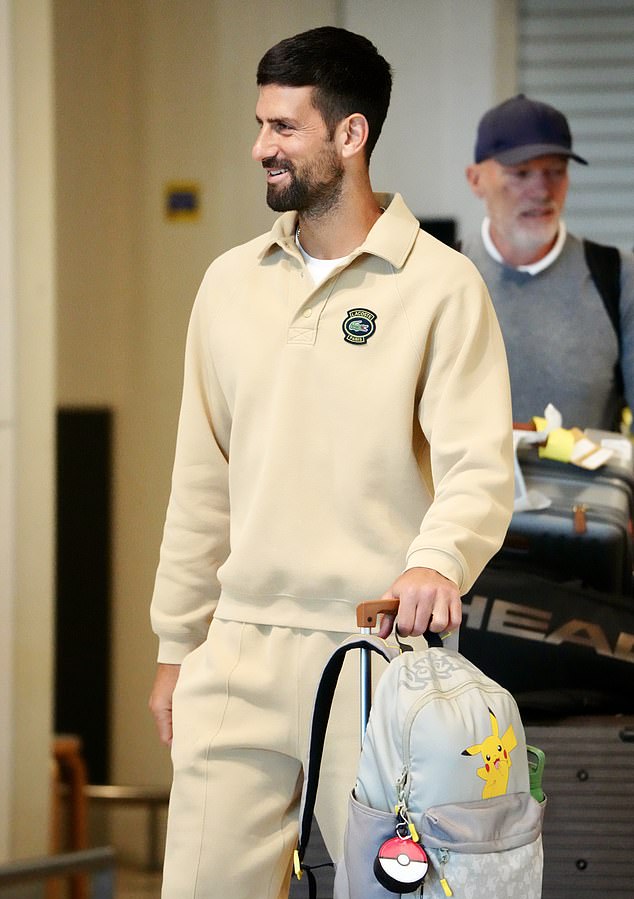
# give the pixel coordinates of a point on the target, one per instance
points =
(533, 151)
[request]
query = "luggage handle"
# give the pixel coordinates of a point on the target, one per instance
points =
(367, 612)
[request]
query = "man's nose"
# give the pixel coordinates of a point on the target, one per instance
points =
(263, 146)
(541, 184)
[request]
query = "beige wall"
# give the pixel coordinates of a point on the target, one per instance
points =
(7, 424)
(148, 93)
(195, 100)
(29, 311)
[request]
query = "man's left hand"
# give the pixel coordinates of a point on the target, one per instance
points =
(427, 600)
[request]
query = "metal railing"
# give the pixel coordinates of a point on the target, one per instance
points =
(152, 798)
(97, 864)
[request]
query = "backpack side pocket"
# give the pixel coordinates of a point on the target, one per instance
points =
(367, 829)
(490, 848)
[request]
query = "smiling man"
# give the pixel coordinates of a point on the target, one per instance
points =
(567, 343)
(345, 433)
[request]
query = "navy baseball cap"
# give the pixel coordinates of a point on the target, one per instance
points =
(521, 129)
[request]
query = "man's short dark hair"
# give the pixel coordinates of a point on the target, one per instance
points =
(345, 69)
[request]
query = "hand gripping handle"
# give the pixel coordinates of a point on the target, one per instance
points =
(368, 611)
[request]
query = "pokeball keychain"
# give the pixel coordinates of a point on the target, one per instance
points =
(401, 862)
(401, 865)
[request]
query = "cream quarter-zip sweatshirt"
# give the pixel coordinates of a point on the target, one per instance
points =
(332, 436)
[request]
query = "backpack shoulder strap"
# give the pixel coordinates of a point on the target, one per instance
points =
(321, 713)
(604, 264)
(324, 696)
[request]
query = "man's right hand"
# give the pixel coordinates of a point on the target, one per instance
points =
(161, 700)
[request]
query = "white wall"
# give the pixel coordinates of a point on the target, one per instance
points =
(452, 60)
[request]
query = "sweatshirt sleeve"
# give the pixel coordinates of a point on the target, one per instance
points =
(465, 415)
(196, 533)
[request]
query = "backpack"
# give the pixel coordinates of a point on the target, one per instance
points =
(443, 788)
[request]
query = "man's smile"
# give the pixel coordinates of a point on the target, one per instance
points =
(540, 212)
(274, 170)
(274, 175)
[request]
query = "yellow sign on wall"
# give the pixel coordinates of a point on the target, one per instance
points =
(182, 201)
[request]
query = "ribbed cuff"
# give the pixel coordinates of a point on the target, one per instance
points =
(439, 561)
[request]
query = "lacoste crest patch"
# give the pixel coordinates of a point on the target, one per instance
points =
(359, 325)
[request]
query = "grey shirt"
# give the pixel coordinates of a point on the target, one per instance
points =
(561, 346)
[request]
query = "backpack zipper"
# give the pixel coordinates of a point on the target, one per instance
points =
(439, 694)
(403, 781)
(443, 858)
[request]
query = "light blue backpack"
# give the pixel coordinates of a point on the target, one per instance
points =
(442, 804)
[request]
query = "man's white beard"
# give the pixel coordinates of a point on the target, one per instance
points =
(531, 239)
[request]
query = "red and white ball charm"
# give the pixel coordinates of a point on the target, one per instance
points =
(401, 865)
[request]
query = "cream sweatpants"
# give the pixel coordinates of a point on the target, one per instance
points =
(242, 709)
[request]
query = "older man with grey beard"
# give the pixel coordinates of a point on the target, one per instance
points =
(565, 345)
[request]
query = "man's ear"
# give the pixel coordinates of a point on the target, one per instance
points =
(353, 134)
(474, 175)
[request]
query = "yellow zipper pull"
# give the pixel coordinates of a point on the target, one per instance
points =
(443, 855)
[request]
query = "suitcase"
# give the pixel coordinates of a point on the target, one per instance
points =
(586, 532)
(589, 829)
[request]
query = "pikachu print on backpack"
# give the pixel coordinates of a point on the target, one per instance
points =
(496, 755)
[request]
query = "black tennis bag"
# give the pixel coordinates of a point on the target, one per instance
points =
(557, 647)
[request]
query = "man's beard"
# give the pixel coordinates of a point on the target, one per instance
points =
(307, 193)
(532, 238)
